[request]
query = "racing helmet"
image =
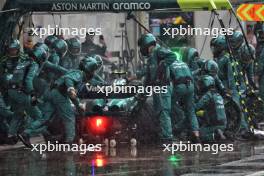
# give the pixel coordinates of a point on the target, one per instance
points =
(192, 53)
(218, 45)
(13, 48)
(49, 40)
(41, 45)
(88, 65)
(145, 41)
(39, 54)
(191, 56)
(206, 82)
(236, 40)
(60, 47)
(211, 67)
(74, 46)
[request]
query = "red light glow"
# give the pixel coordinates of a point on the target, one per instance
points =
(98, 124)
(99, 161)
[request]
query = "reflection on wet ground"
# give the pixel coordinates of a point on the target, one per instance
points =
(133, 161)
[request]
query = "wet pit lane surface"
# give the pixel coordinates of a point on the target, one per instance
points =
(246, 159)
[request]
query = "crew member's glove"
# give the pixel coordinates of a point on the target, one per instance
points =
(81, 108)
(200, 113)
(72, 92)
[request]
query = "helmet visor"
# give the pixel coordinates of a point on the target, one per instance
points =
(74, 51)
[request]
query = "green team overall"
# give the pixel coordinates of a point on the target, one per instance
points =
(21, 92)
(183, 94)
(211, 68)
(39, 54)
(72, 58)
(236, 42)
(41, 82)
(157, 73)
(7, 66)
(244, 69)
(60, 98)
(246, 66)
(49, 40)
(58, 49)
(211, 111)
(226, 72)
(9, 62)
(192, 57)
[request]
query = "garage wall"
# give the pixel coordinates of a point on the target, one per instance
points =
(109, 22)
(201, 19)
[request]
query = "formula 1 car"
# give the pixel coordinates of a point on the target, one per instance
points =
(117, 118)
(131, 118)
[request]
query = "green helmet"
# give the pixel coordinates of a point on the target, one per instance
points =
(60, 47)
(145, 41)
(218, 45)
(13, 48)
(236, 40)
(192, 53)
(14, 44)
(39, 55)
(74, 45)
(211, 67)
(201, 62)
(206, 82)
(246, 53)
(89, 65)
(41, 45)
(49, 40)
